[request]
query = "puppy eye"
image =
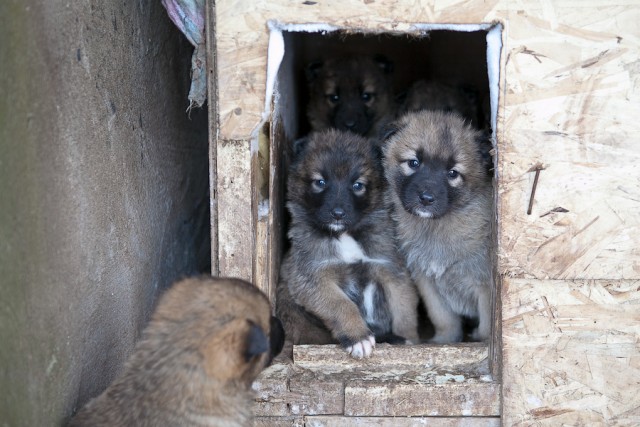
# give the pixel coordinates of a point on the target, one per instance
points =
(333, 98)
(320, 183)
(358, 187)
(366, 96)
(453, 174)
(413, 163)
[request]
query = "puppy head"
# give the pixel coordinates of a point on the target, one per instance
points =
(349, 94)
(334, 181)
(433, 163)
(224, 325)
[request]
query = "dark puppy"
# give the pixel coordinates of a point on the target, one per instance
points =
(351, 94)
(440, 96)
(205, 344)
(342, 279)
(442, 201)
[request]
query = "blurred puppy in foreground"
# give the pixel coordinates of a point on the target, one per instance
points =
(207, 341)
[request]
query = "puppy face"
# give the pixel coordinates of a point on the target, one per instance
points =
(433, 163)
(334, 181)
(349, 94)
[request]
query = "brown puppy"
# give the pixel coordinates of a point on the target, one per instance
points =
(343, 279)
(351, 94)
(439, 96)
(206, 342)
(442, 201)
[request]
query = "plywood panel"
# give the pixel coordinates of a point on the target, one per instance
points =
(570, 101)
(571, 352)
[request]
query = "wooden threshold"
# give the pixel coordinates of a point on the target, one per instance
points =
(397, 381)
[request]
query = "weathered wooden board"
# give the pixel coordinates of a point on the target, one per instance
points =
(235, 218)
(333, 421)
(571, 352)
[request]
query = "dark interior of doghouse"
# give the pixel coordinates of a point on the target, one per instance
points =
(446, 56)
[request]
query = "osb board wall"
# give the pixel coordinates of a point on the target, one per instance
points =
(569, 102)
(572, 355)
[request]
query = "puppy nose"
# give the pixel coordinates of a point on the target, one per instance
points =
(337, 213)
(426, 198)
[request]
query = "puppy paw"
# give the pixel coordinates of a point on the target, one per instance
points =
(362, 348)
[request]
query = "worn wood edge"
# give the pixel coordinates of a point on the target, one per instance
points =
(347, 421)
(415, 356)
(213, 126)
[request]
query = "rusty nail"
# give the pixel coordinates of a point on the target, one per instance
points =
(533, 190)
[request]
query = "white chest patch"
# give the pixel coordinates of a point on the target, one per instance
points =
(349, 250)
(368, 301)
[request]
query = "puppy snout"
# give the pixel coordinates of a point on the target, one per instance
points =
(350, 124)
(426, 198)
(338, 213)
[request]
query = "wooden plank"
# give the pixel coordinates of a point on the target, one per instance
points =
(212, 111)
(271, 389)
(319, 394)
(441, 394)
(235, 220)
(260, 212)
(337, 421)
(571, 352)
(278, 422)
(331, 358)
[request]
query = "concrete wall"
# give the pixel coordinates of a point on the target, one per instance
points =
(103, 193)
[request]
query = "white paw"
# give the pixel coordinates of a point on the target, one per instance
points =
(362, 348)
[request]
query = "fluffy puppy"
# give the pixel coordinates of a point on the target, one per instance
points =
(351, 94)
(342, 280)
(206, 342)
(442, 201)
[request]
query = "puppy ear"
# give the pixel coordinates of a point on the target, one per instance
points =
(312, 71)
(388, 131)
(384, 63)
(256, 342)
(485, 149)
(299, 146)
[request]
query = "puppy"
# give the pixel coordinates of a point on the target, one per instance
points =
(440, 96)
(342, 280)
(206, 342)
(442, 202)
(351, 94)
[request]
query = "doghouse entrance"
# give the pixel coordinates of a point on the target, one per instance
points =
(464, 57)
(445, 57)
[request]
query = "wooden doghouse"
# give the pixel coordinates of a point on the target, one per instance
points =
(564, 83)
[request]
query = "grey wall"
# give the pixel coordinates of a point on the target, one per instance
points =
(103, 193)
